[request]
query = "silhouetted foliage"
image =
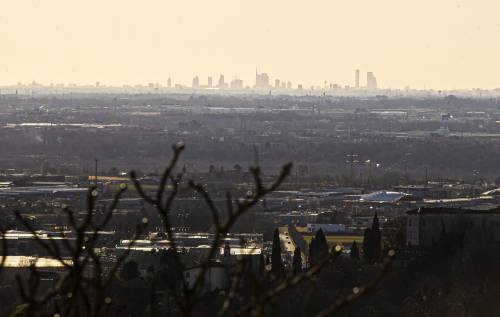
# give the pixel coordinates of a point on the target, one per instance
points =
(129, 271)
(312, 251)
(318, 248)
(354, 254)
(372, 241)
(297, 261)
(277, 267)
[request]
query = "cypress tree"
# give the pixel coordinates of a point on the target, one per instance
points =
(318, 248)
(354, 251)
(368, 245)
(372, 241)
(312, 252)
(321, 245)
(375, 222)
(377, 248)
(277, 267)
(297, 261)
(376, 238)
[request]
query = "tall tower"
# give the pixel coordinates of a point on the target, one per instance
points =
(210, 82)
(196, 82)
(222, 83)
(371, 81)
(277, 83)
(261, 80)
(357, 79)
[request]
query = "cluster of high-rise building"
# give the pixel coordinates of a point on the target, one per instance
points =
(262, 82)
(371, 80)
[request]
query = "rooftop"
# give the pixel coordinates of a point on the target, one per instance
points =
(457, 211)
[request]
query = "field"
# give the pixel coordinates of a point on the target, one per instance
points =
(302, 229)
(334, 240)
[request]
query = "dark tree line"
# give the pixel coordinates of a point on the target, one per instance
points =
(372, 243)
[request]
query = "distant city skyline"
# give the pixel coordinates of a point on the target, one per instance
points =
(426, 44)
(262, 81)
(362, 80)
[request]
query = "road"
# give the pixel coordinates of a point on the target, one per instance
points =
(289, 246)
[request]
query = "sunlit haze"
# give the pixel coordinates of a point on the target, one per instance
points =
(442, 44)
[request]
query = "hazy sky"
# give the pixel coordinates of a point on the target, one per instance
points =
(422, 43)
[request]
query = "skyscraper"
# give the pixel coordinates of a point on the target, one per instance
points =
(196, 82)
(357, 79)
(371, 81)
(276, 83)
(209, 82)
(222, 83)
(261, 80)
(237, 83)
(169, 83)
